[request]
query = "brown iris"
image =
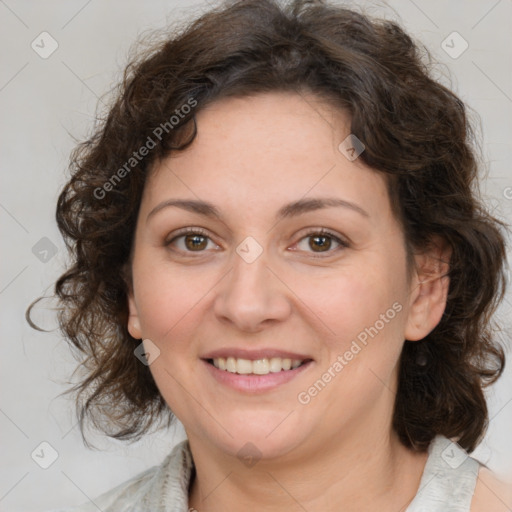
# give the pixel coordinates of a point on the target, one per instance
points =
(196, 242)
(324, 242)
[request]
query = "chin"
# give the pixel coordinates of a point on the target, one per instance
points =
(267, 435)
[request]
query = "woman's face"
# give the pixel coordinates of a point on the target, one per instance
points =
(256, 286)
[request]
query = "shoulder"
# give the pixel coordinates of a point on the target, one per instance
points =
(148, 489)
(491, 493)
(453, 481)
(118, 496)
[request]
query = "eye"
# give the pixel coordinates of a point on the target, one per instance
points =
(197, 240)
(321, 241)
(191, 240)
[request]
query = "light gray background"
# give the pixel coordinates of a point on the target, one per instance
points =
(44, 102)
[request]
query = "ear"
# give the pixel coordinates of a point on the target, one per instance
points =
(133, 314)
(429, 289)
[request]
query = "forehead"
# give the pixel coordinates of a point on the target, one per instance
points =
(268, 148)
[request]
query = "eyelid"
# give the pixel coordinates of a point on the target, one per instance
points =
(189, 230)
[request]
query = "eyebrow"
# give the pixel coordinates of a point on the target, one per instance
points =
(290, 210)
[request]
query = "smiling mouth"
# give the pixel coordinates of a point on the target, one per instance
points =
(256, 367)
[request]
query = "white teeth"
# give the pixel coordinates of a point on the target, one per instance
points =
(261, 367)
(243, 366)
(257, 367)
(275, 365)
(230, 364)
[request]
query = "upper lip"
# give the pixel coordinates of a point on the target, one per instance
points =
(253, 355)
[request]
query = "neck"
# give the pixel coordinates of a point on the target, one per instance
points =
(352, 473)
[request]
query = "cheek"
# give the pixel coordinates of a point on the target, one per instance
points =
(364, 310)
(167, 298)
(366, 315)
(352, 300)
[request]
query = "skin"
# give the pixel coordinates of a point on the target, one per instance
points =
(251, 157)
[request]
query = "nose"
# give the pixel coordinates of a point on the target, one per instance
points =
(252, 296)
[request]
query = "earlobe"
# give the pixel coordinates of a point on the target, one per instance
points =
(429, 290)
(133, 316)
(133, 326)
(133, 319)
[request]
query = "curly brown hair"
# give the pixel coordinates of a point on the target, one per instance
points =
(415, 130)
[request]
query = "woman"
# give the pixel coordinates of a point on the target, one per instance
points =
(276, 236)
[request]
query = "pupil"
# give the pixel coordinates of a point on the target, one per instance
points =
(195, 242)
(321, 240)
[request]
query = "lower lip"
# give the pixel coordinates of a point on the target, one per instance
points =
(255, 383)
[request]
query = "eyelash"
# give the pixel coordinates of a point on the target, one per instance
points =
(318, 232)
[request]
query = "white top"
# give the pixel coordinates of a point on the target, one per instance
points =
(447, 484)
